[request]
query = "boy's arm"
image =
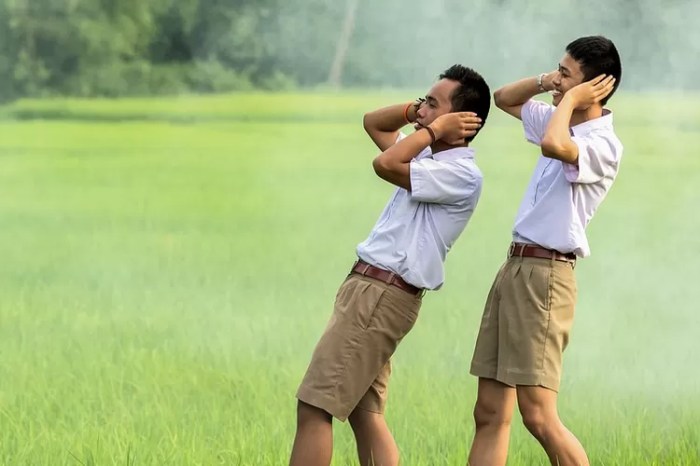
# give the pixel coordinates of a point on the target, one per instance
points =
(383, 125)
(394, 164)
(557, 142)
(511, 97)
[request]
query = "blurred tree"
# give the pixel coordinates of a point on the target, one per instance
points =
(119, 47)
(174, 24)
(8, 55)
(341, 49)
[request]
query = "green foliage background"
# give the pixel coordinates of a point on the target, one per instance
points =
(132, 47)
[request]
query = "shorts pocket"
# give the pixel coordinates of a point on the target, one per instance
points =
(395, 315)
(536, 283)
(355, 303)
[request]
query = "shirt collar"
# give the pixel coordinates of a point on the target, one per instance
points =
(455, 153)
(603, 122)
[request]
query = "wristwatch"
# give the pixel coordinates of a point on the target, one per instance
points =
(539, 82)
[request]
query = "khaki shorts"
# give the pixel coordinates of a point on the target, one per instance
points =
(350, 366)
(526, 323)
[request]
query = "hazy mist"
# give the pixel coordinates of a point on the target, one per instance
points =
(407, 43)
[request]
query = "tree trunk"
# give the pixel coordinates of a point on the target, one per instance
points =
(336, 73)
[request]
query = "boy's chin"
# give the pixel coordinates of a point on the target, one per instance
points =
(556, 98)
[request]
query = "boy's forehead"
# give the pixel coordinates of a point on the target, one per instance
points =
(442, 89)
(568, 62)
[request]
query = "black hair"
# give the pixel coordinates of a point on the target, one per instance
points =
(597, 55)
(472, 94)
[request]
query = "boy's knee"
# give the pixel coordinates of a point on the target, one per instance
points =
(490, 414)
(308, 414)
(535, 422)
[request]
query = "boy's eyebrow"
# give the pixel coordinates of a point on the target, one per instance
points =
(564, 68)
(431, 99)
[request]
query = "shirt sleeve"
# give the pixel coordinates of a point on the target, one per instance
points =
(444, 182)
(598, 158)
(535, 116)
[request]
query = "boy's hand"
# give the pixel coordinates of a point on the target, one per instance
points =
(454, 128)
(591, 92)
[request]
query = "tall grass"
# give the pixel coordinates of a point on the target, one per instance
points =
(167, 266)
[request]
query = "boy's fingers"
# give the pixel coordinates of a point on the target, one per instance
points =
(597, 79)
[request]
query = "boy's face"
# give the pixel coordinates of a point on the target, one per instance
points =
(437, 102)
(570, 75)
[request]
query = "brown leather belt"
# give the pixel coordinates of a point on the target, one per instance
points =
(532, 250)
(363, 268)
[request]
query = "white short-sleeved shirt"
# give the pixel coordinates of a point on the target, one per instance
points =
(562, 198)
(417, 228)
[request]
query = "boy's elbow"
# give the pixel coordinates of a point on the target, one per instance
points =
(365, 121)
(498, 98)
(549, 147)
(384, 168)
(556, 150)
(369, 122)
(379, 166)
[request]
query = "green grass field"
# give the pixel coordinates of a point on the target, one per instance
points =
(168, 265)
